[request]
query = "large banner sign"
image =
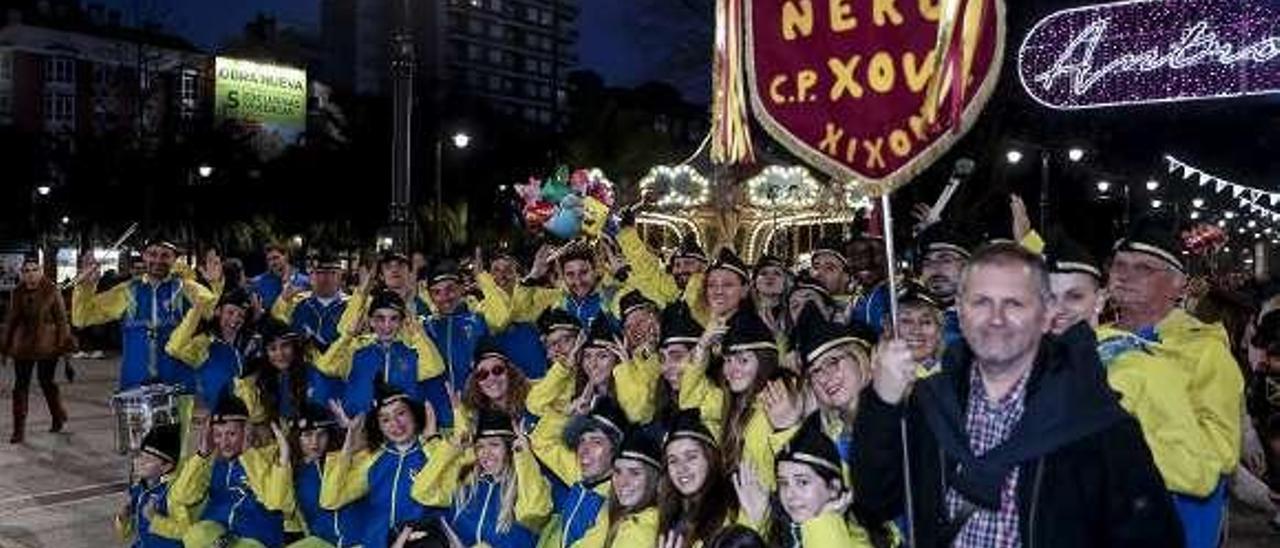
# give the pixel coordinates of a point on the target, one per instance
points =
(1151, 51)
(270, 99)
(842, 83)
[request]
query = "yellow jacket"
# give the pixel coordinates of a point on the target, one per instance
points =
(759, 442)
(552, 393)
(633, 381)
(88, 307)
(437, 484)
(171, 525)
(270, 479)
(831, 529)
(637, 530)
(346, 478)
(647, 271)
(336, 362)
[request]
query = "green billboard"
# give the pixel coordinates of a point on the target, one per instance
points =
(268, 99)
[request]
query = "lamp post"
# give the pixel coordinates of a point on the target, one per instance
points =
(1014, 155)
(459, 140)
(402, 69)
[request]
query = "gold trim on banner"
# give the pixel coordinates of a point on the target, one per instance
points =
(917, 165)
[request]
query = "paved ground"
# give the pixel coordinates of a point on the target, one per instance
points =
(61, 490)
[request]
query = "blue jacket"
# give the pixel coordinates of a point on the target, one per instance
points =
(477, 521)
(232, 503)
(153, 312)
(394, 363)
(521, 343)
(319, 323)
(270, 285)
(226, 362)
(389, 503)
(455, 336)
(319, 390)
(870, 309)
(577, 509)
(140, 497)
(340, 527)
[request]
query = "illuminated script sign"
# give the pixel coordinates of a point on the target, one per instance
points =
(842, 83)
(1152, 51)
(271, 100)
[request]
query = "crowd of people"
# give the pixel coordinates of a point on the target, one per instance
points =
(600, 394)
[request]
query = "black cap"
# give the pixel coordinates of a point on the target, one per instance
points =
(163, 441)
(728, 260)
(1064, 255)
(946, 236)
(913, 293)
(605, 416)
(393, 257)
(811, 446)
(640, 445)
(386, 299)
(748, 332)
(814, 335)
(494, 424)
(328, 261)
(272, 329)
(488, 348)
(229, 408)
(831, 245)
(603, 334)
(688, 424)
(386, 394)
(678, 325)
(689, 249)
(444, 270)
(1154, 235)
(313, 417)
(768, 261)
(807, 281)
(634, 300)
(235, 296)
(553, 319)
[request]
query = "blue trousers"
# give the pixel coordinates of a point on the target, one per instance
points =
(1202, 518)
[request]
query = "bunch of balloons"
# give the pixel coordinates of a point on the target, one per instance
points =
(1204, 238)
(569, 203)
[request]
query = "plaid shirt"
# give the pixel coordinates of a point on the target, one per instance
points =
(989, 424)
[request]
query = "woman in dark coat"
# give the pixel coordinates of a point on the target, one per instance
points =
(36, 333)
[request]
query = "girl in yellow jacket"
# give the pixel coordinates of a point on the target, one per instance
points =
(630, 520)
(495, 385)
(810, 507)
(727, 391)
(495, 493)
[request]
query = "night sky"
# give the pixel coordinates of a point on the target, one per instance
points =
(600, 47)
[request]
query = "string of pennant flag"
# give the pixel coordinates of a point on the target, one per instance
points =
(1256, 201)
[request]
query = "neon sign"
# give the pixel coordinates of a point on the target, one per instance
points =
(1152, 51)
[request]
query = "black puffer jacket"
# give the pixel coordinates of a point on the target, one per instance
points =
(1087, 477)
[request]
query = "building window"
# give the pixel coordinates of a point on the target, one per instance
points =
(544, 91)
(474, 52)
(544, 116)
(495, 82)
(497, 30)
(495, 57)
(101, 75)
(59, 108)
(189, 88)
(546, 67)
(60, 69)
(531, 114)
(6, 104)
(546, 17)
(475, 26)
(495, 5)
(531, 14)
(6, 66)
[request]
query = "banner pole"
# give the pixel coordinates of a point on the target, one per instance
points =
(886, 217)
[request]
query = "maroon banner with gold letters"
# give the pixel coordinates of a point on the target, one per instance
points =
(843, 83)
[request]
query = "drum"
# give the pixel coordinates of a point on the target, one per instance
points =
(140, 409)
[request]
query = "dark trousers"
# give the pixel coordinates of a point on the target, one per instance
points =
(44, 371)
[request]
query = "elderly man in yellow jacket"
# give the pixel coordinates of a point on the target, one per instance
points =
(1174, 373)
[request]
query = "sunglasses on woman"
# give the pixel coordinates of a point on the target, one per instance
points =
(497, 371)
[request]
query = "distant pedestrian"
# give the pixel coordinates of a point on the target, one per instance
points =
(36, 334)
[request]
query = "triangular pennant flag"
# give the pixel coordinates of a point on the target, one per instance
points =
(1173, 164)
(1205, 178)
(1254, 194)
(1236, 191)
(1218, 185)
(1275, 199)
(1188, 171)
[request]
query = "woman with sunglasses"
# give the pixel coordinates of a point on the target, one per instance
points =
(495, 385)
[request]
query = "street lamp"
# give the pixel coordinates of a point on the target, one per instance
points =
(1197, 203)
(1104, 186)
(1013, 156)
(1075, 154)
(205, 171)
(1155, 204)
(460, 140)
(1229, 214)
(43, 190)
(1195, 215)
(1153, 185)
(66, 220)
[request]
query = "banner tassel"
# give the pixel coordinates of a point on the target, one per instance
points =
(730, 127)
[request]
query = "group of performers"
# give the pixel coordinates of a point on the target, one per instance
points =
(595, 395)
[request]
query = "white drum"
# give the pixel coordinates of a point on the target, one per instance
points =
(140, 409)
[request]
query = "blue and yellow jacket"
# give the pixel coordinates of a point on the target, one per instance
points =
(530, 301)
(653, 280)
(269, 285)
(319, 390)
(828, 529)
(576, 508)
(148, 313)
(382, 481)
(456, 336)
(342, 527)
(316, 321)
(474, 510)
(217, 363)
(1182, 384)
(636, 530)
(166, 528)
(248, 495)
(634, 383)
(405, 363)
(520, 341)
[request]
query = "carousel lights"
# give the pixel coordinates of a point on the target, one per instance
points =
(1104, 186)
(1156, 204)
(1153, 185)
(790, 187)
(680, 186)
(1229, 214)
(1197, 202)
(1195, 215)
